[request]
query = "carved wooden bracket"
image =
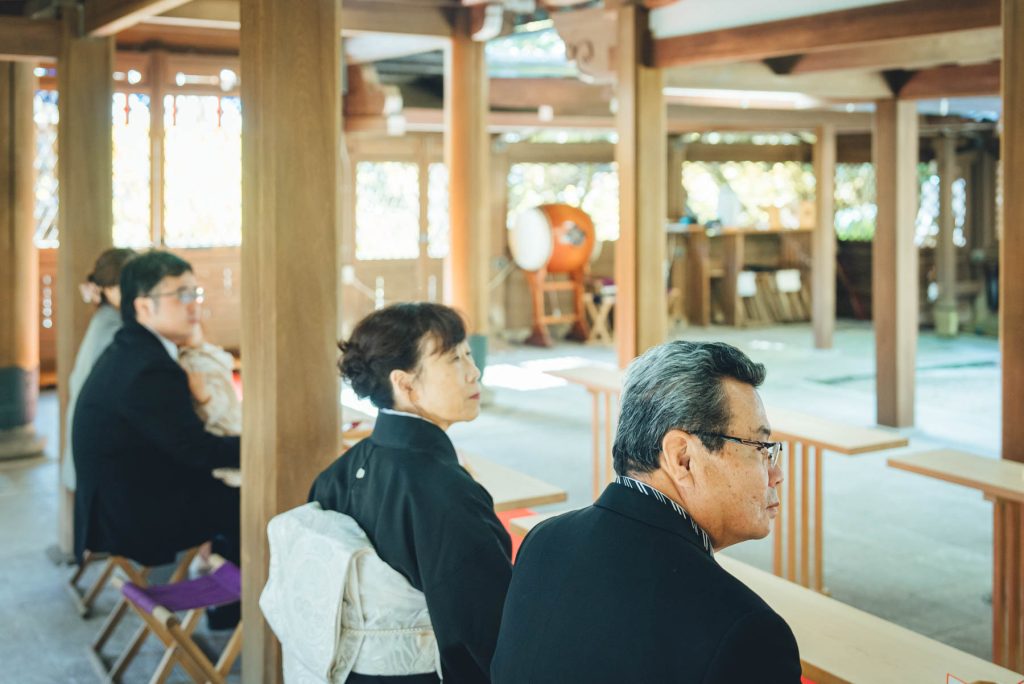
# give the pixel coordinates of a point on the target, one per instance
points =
(590, 36)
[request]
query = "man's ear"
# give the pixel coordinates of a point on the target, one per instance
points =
(143, 308)
(401, 386)
(676, 453)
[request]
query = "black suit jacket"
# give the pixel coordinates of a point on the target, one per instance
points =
(623, 592)
(142, 456)
(429, 520)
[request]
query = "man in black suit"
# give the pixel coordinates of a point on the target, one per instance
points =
(628, 590)
(144, 461)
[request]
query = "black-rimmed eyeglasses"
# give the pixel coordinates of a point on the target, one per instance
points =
(185, 295)
(770, 450)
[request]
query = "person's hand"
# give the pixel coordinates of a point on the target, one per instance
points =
(197, 385)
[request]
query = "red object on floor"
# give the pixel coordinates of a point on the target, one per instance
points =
(505, 517)
(805, 680)
(236, 380)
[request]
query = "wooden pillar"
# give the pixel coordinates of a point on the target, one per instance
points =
(1011, 246)
(676, 193)
(85, 176)
(946, 321)
(500, 167)
(986, 199)
(676, 202)
(467, 149)
(698, 278)
(894, 284)
(157, 136)
(640, 313)
(823, 240)
(291, 96)
(19, 265)
(733, 244)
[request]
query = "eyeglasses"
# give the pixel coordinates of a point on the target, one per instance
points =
(770, 450)
(185, 295)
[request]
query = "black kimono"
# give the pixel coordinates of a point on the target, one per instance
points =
(428, 519)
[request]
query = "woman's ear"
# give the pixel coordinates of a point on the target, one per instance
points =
(676, 458)
(401, 387)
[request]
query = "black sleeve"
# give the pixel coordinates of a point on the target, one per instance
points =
(464, 559)
(761, 648)
(161, 409)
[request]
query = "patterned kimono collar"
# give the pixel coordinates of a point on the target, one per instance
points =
(647, 489)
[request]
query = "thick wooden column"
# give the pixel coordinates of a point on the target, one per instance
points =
(675, 192)
(894, 260)
(946, 322)
(675, 195)
(291, 97)
(19, 265)
(1011, 246)
(85, 175)
(467, 150)
(823, 241)
(640, 311)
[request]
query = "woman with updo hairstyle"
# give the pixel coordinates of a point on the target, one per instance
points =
(404, 485)
(101, 288)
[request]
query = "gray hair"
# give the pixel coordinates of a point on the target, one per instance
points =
(677, 386)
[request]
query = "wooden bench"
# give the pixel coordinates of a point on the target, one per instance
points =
(840, 644)
(509, 488)
(807, 436)
(1002, 482)
(603, 383)
(524, 524)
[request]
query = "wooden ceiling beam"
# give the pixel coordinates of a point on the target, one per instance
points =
(681, 119)
(847, 28)
(563, 95)
(180, 37)
(972, 46)
(23, 39)
(357, 16)
(108, 17)
(757, 76)
(977, 80)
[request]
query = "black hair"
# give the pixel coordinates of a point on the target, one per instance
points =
(394, 338)
(141, 274)
(677, 385)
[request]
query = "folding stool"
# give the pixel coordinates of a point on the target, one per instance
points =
(138, 576)
(158, 605)
(84, 598)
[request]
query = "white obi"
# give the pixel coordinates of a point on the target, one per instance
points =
(336, 607)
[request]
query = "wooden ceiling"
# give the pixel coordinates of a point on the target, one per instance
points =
(915, 49)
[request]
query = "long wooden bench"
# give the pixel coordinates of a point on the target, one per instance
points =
(1002, 482)
(509, 488)
(840, 644)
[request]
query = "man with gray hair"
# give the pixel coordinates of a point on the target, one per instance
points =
(628, 590)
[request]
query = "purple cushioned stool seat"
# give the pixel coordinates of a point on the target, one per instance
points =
(223, 585)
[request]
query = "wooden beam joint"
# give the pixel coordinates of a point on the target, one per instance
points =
(24, 39)
(108, 17)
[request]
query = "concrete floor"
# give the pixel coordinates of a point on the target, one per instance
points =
(906, 548)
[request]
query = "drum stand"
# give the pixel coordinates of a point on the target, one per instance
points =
(539, 286)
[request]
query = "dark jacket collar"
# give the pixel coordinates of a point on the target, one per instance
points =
(407, 432)
(136, 333)
(648, 510)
